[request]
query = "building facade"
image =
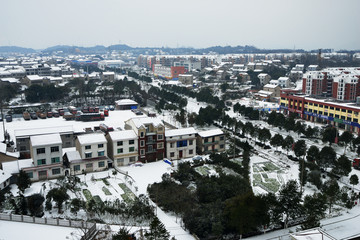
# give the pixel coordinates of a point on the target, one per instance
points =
(180, 143)
(210, 141)
(123, 147)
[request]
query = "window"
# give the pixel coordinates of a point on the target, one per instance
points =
(30, 174)
(131, 142)
(171, 145)
(40, 150)
(120, 143)
(101, 164)
(120, 160)
(160, 129)
(101, 153)
(160, 137)
(337, 109)
(331, 108)
(76, 168)
(88, 147)
(142, 134)
(120, 150)
(349, 111)
(89, 165)
(54, 149)
(191, 142)
(88, 155)
(337, 116)
(343, 110)
(222, 146)
(150, 148)
(55, 171)
(100, 145)
(142, 143)
(132, 159)
(22, 148)
(160, 146)
(172, 154)
(191, 151)
(181, 143)
(206, 140)
(142, 152)
(221, 138)
(67, 135)
(55, 160)
(205, 148)
(41, 161)
(131, 149)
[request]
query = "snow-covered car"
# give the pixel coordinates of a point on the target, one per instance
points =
(137, 164)
(197, 158)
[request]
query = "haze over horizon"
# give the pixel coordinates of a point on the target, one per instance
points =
(265, 24)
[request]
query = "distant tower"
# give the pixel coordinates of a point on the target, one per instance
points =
(319, 58)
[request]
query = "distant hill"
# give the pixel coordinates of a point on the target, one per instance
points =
(14, 49)
(75, 49)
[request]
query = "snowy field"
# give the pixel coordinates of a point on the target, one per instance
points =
(18, 230)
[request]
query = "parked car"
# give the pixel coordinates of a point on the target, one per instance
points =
(33, 116)
(26, 116)
(8, 118)
(112, 108)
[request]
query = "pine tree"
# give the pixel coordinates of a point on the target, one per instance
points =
(157, 231)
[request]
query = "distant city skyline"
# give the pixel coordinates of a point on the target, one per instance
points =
(270, 24)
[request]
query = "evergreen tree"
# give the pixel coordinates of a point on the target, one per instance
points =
(342, 166)
(313, 154)
(288, 143)
(59, 196)
(277, 140)
(289, 201)
(346, 138)
(332, 191)
(35, 204)
(23, 181)
(329, 135)
(314, 209)
(327, 157)
(354, 180)
(157, 231)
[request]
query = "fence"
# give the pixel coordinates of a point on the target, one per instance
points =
(47, 221)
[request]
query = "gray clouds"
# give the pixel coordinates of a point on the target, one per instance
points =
(198, 23)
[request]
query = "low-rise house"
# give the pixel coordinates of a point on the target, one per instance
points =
(7, 156)
(46, 152)
(180, 143)
(210, 141)
(108, 76)
(186, 79)
(264, 78)
(93, 150)
(284, 82)
(150, 132)
(123, 147)
(126, 104)
(274, 89)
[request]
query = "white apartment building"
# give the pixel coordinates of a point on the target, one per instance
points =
(123, 147)
(180, 143)
(46, 153)
(284, 82)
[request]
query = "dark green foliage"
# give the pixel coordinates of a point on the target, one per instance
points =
(208, 115)
(264, 134)
(331, 190)
(313, 154)
(289, 200)
(314, 177)
(122, 234)
(303, 173)
(8, 91)
(59, 196)
(245, 213)
(157, 231)
(288, 142)
(2, 198)
(23, 206)
(329, 135)
(75, 205)
(327, 157)
(35, 204)
(23, 181)
(46, 93)
(342, 166)
(277, 140)
(314, 210)
(354, 180)
(300, 148)
(346, 138)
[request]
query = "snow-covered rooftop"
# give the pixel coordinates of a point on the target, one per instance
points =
(91, 138)
(45, 130)
(270, 86)
(210, 133)
(125, 102)
(46, 139)
(312, 234)
(13, 167)
(4, 176)
(123, 135)
(180, 132)
(142, 121)
(73, 156)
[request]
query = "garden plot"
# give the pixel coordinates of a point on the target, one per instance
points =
(206, 170)
(267, 176)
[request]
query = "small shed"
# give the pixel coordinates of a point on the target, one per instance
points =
(126, 104)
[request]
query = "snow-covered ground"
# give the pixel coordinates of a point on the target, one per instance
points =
(17, 230)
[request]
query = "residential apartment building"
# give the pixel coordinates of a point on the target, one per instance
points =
(264, 78)
(123, 147)
(180, 143)
(168, 72)
(46, 153)
(93, 151)
(22, 137)
(210, 141)
(151, 139)
(284, 82)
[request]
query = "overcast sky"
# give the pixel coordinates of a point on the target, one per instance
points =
(306, 24)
